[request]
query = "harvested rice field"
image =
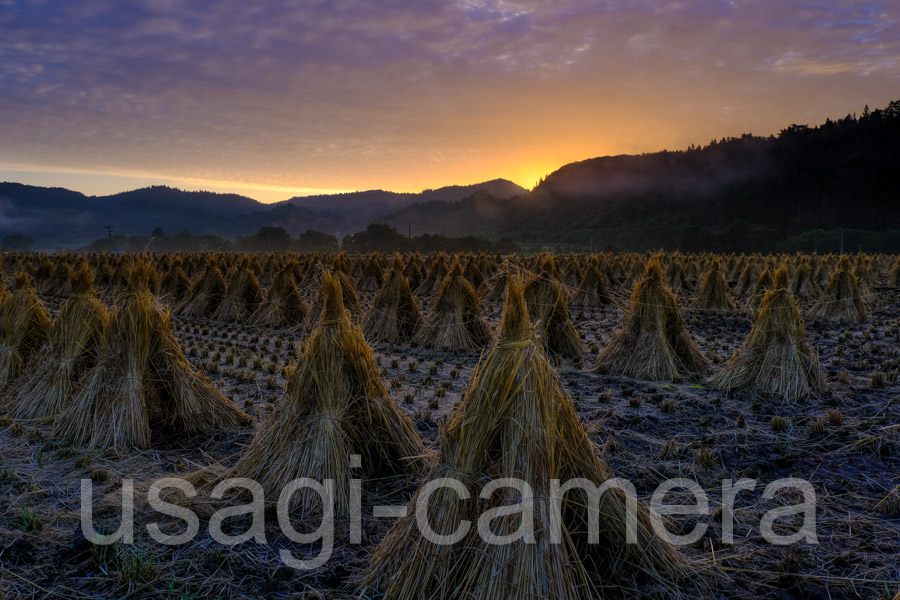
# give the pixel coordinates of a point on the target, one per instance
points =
(384, 373)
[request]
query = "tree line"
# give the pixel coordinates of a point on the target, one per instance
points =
(376, 237)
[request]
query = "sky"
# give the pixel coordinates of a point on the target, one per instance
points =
(281, 98)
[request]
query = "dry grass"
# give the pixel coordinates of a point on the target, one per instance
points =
(654, 344)
(456, 324)
(53, 376)
(776, 360)
(841, 301)
(24, 329)
(208, 294)
(395, 316)
(516, 421)
(143, 382)
(713, 294)
(592, 291)
(549, 311)
(334, 406)
(284, 308)
(243, 297)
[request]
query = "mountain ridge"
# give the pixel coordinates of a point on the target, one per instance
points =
(57, 217)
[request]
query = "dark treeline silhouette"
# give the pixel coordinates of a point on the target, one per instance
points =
(745, 193)
(375, 238)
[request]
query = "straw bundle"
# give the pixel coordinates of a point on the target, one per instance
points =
(747, 279)
(143, 384)
(104, 275)
(894, 277)
(500, 281)
(335, 405)
(311, 275)
(43, 276)
(823, 272)
(119, 278)
(474, 275)
(59, 284)
(635, 273)
(350, 300)
(435, 277)
(549, 309)
(175, 285)
(456, 324)
(242, 298)
(675, 276)
(841, 301)
(572, 274)
(394, 317)
(516, 421)
(285, 307)
(372, 277)
(864, 276)
(804, 284)
(654, 344)
(592, 291)
(713, 293)
(413, 271)
(776, 360)
(542, 289)
(24, 327)
(75, 338)
(763, 284)
(208, 294)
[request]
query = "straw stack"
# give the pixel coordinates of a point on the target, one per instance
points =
(841, 300)
(804, 285)
(654, 344)
(549, 310)
(334, 406)
(516, 421)
(243, 297)
(143, 385)
(456, 324)
(175, 285)
(372, 276)
(776, 360)
(208, 293)
(394, 317)
(285, 307)
(24, 329)
(75, 341)
(713, 295)
(592, 291)
(348, 294)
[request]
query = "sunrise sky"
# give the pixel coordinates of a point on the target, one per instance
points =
(273, 99)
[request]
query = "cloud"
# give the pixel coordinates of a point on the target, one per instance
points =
(388, 93)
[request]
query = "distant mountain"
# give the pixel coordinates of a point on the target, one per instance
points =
(746, 193)
(355, 210)
(56, 217)
(742, 193)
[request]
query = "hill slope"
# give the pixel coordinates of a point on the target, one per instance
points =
(56, 217)
(355, 210)
(738, 193)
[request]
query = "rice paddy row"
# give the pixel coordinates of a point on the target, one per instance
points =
(696, 366)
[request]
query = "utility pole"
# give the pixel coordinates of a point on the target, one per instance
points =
(816, 244)
(109, 232)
